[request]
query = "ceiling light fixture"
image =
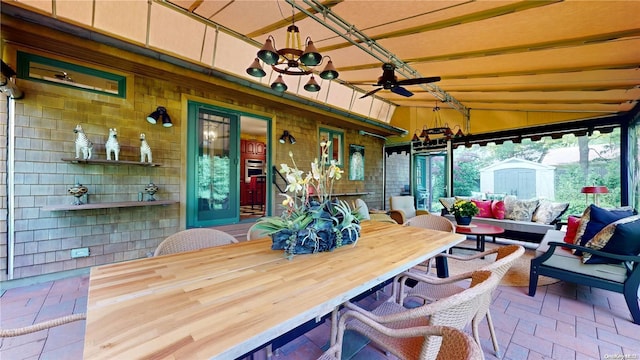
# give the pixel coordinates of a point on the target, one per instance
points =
(292, 60)
(439, 128)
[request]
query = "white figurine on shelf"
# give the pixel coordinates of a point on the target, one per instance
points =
(112, 145)
(83, 144)
(145, 150)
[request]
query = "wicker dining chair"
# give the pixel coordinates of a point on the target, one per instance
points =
(456, 344)
(430, 288)
(455, 311)
(193, 239)
(433, 222)
(43, 325)
(253, 233)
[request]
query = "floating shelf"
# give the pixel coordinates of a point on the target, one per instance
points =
(109, 162)
(123, 204)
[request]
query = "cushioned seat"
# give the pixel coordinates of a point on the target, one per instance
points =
(365, 214)
(404, 208)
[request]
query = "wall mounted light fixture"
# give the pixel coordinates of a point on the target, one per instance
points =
(286, 136)
(7, 86)
(160, 114)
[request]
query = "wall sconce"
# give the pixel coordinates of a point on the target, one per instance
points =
(8, 87)
(286, 136)
(160, 114)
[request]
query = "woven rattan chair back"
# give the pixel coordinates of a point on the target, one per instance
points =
(253, 233)
(433, 222)
(456, 344)
(193, 239)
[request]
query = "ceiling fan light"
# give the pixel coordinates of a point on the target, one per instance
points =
(268, 53)
(279, 84)
(310, 56)
(329, 72)
(312, 85)
(255, 69)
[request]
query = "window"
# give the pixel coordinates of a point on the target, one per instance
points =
(335, 146)
(554, 169)
(42, 69)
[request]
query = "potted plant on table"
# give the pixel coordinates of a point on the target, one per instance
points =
(464, 210)
(312, 221)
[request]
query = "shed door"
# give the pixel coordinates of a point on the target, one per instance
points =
(519, 182)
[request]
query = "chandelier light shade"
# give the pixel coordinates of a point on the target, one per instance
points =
(255, 69)
(279, 84)
(160, 114)
(439, 128)
(292, 60)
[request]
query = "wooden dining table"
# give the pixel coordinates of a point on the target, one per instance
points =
(220, 302)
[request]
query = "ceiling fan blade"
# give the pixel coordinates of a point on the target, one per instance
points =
(370, 93)
(416, 81)
(401, 91)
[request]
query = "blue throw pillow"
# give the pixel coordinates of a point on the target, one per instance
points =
(598, 219)
(624, 241)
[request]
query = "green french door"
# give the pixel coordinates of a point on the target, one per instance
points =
(212, 166)
(430, 179)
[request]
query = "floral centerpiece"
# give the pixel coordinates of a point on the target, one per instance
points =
(312, 221)
(464, 210)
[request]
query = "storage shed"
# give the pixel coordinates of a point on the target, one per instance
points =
(523, 178)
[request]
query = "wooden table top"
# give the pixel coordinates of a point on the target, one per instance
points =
(479, 229)
(224, 301)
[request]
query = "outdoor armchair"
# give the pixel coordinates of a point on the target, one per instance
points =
(403, 208)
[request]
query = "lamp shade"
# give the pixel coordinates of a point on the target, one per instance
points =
(329, 72)
(268, 53)
(155, 116)
(279, 84)
(312, 85)
(255, 69)
(310, 56)
(594, 190)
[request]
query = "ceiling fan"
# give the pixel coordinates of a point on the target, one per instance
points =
(389, 81)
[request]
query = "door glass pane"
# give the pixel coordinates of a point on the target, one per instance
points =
(430, 180)
(213, 165)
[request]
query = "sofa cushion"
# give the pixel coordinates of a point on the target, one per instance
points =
(521, 210)
(621, 237)
(596, 219)
(497, 209)
(548, 211)
(485, 208)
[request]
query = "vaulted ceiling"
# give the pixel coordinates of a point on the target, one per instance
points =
(544, 57)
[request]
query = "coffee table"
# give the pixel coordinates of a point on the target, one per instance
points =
(480, 231)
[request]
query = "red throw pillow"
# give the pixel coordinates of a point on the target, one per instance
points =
(572, 229)
(497, 209)
(484, 206)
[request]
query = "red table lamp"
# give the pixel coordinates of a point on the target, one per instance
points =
(595, 190)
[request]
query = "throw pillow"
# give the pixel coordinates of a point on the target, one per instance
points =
(497, 209)
(620, 237)
(485, 208)
(521, 210)
(572, 229)
(548, 211)
(597, 218)
(447, 203)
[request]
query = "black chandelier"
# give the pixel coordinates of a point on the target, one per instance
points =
(439, 128)
(292, 60)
